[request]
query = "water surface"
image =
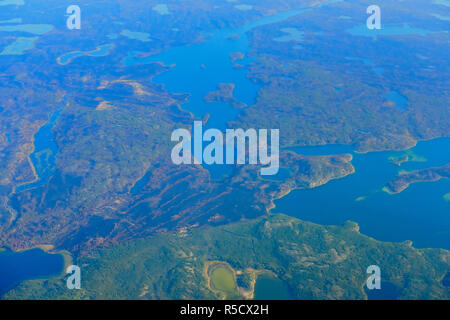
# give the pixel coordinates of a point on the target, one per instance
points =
(43, 157)
(12, 2)
(19, 46)
(16, 267)
(198, 69)
(419, 213)
(399, 100)
(100, 51)
(388, 291)
(37, 29)
(268, 287)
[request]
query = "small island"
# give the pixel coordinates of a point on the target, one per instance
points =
(447, 197)
(234, 56)
(408, 156)
(403, 180)
(224, 93)
(398, 161)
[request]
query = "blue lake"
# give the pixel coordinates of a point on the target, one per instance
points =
(12, 2)
(388, 291)
(268, 287)
(162, 9)
(19, 46)
(400, 101)
(419, 213)
(141, 36)
(16, 267)
(37, 29)
(198, 69)
(44, 154)
(100, 51)
(15, 20)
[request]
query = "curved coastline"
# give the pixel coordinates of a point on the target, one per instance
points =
(66, 256)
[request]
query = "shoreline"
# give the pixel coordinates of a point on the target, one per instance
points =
(85, 53)
(246, 293)
(49, 249)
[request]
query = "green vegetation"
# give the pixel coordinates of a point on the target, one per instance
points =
(406, 156)
(316, 96)
(404, 179)
(151, 207)
(317, 262)
(224, 93)
(222, 279)
(447, 197)
(244, 280)
(115, 194)
(103, 152)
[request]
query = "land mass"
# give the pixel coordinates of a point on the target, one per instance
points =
(224, 93)
(316, 262)
(234, 56)
(405, 179)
